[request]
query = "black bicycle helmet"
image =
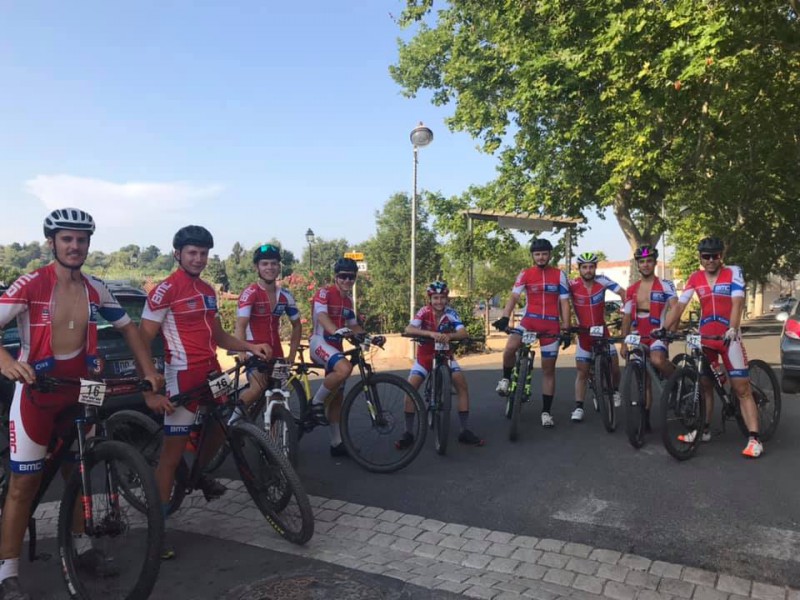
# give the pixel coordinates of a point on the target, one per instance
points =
(645, 251)
(438, 287)
(541, 245)
(711, 244)
(345, 264)
(266, 251)
(68, 218)
(193, 235)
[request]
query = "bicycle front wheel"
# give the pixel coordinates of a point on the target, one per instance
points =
(272, 483)
(375, 414)
(283, 432)
(767, 396)
(683, 411)
(633, 397)
(518, 398)
(444, 401)
(604, 391)
(119, 556)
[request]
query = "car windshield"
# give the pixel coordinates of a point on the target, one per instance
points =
(133, 305)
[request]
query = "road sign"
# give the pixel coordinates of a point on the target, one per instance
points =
(354, 255)
(362, 266)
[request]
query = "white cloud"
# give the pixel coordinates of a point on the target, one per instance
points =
(120, 204)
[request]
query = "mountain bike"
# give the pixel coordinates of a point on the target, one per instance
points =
(683, 409)
(124, 558)
(266, 473)
(373, 413)
(519, 391)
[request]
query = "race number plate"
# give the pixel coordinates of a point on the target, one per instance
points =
(92, 392)
(693, 341)
(441, 346)
(597, 331)
(220, 386)
(633, 339)
(280, 371)
(529, 337)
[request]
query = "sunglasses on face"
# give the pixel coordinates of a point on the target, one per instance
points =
(710, 256)
(346, 276)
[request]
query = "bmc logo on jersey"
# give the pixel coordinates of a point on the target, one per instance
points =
(210, 302)
(20, 283)
(658, 297)
(93, 310)
(246, 294)
(722, 289)
(550, 288)
(158, 295)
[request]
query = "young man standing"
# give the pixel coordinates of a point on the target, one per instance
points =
(588, 292)
(56, 308)
(546, 292)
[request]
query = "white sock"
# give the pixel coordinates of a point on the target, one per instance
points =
(237, 414)
(321, 394)
(81, 543)
(9, 567)
(336, 434)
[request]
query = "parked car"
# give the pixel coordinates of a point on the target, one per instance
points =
(790, 350)
(780, 305)
(116, 359)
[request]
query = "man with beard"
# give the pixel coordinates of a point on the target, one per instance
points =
(721, 290)
(546, 311)
(56, 308)
(588, 294)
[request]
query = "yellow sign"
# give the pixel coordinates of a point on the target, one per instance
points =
(354, 255)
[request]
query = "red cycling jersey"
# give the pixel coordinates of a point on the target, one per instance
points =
(426, 319)
(338, 307)
(186, 308)
(716, 302)
(590, 303)
(264, 322)
(660, 293)
(543, 288)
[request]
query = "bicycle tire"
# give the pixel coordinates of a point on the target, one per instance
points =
(145, 435)
(5, 456)
(683, 410)
(370, 441)
(298, 404)
(519, 394)
(444, 401)
(605, 391)
(113, 527)
(683, 360)
(768, 402)
(272, 483)
(633, 397)
(283, 432)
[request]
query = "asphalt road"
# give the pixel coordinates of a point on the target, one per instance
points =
(578, 483)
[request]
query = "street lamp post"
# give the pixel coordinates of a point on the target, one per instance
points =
(421, 136)
(310, 239)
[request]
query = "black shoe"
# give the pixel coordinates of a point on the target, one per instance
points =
(317, 414)
(11, 590)
(405, 442)
(339, 451)
(211, 488)
(469, 438)
(97, 563)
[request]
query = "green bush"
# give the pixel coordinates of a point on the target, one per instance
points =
(465, 307)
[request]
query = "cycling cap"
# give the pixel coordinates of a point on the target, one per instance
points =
(711, 244)
(193, 235)
(68, 218)
(345, 264)
(266, 251)
(541, 245)
(588, 257)
(438, 287)
(646, 251)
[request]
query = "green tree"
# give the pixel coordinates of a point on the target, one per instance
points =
(324, 254)
(215, 272)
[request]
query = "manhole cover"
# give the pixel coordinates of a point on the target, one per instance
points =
(321, 586)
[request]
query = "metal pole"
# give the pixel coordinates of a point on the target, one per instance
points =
(663, 260)
(310, 259)
(413, 294)
(471, 274)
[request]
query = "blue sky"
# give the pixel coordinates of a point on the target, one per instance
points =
(255, 119)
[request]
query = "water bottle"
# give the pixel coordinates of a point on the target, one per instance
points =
(721, 376)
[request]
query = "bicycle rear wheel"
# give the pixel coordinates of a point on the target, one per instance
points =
(145, 435)
(683, 410)
(604, 391)
(373, 417)
(124, 541)
(518, 398)
(633, 397)
(767, 396)
(272, 483)
(5, 456)
(444, 401)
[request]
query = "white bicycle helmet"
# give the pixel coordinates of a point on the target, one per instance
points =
(68, 218)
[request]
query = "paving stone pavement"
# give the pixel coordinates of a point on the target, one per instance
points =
(470, 561)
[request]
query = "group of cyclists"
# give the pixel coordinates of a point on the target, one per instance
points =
(56, 308)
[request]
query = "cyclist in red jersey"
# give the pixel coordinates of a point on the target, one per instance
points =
(261, 306)
(588, 292)
(646, 305)
(721, 290)
(183, 308)
(547, 313)
(56, 308)
(334, 319)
